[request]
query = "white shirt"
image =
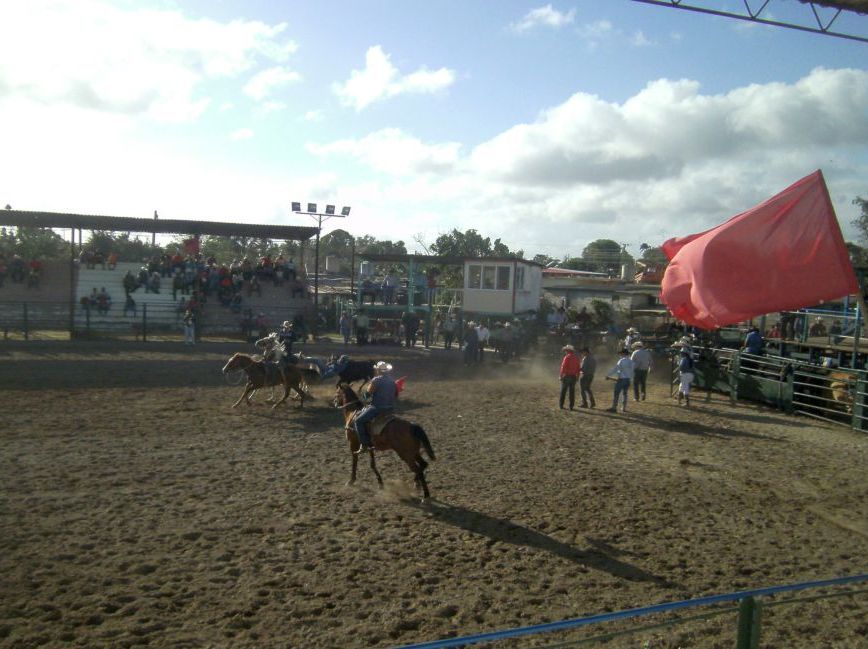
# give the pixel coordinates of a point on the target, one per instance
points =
(641, 359)
(483, 333)
(623, 369)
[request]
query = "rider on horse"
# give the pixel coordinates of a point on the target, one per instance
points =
(383, 393)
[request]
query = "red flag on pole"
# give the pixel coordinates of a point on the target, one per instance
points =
(786, 253)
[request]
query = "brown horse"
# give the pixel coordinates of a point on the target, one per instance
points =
(399, 435)
(261, 374)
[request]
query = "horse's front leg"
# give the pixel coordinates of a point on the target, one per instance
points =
(243, 395)
(374, 468)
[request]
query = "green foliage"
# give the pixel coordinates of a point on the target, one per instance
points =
(127, 248)
(605, 256)
(653, 256)
(603, 315)
(861, 222)
(471, 244)
(42, 243)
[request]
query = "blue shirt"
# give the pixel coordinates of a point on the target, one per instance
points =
(384, 392)
(754, 343)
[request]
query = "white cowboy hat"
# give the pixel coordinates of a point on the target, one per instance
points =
(383, 366)
(568, 348)
(637, 344)
(287, 324)
(632, 330)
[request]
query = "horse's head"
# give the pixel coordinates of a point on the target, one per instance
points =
(233, 363)
(344, 396)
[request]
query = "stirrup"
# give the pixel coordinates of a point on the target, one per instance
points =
(364, 449)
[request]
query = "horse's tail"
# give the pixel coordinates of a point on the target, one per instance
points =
(419, 434)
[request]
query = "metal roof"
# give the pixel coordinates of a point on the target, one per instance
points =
(22, 218)
(434, 259)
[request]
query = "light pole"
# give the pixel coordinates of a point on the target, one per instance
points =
(312, 212)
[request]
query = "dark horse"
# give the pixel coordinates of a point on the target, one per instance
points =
(261, 374)
(403, 437)
(353, 371)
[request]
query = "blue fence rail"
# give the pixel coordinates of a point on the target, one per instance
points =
(748, 631)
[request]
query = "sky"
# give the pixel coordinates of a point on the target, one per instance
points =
(546, 125)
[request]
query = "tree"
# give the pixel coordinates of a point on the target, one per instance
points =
(127, 248)
(605, 256)
(471, 244)
(369, 245)
(653, 256)
(861, 222)
(545, 260)
(29, 243)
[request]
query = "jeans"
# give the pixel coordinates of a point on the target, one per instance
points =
(568, 385)
(365, 415)
(585, 387)
(640, 378)
(621, 385)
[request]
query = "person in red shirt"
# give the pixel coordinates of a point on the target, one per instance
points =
(569, 375)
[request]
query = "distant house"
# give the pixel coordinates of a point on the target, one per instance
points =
(501, 286)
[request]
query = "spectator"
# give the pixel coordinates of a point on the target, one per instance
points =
(589, 367)
(569, 374)
(16, 269)
(389, 286)
(622, 374)
(362, 323)
(818, 328)
(450, 328)
(641, 358)
(112, 260)
(290, 270)
(130, 283)
(484, 334)
(471, 344)
(155, 282)
(130, 305)
(253, 286)
(103, 302)
(685, 373)
(754, 343)
(189, 327)
(345, 325)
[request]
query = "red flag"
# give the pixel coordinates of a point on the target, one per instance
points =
(400, 383)
(786, 253)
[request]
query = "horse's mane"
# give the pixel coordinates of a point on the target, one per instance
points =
(350, 396)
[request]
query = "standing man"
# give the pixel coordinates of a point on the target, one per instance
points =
(383, 393)
(483, 334)
(641, 358)
(345, 326)
(569, 375)
(362, 323)
(685, 372)
(189, 328)
(471, 344)
(450, 327)
(622, 374)
(589, 366)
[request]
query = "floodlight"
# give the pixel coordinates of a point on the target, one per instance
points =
(330, 209)
(296, 207)
(311, 207)
(345, 211)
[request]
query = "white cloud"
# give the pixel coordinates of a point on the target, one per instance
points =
(381, 80)
(545, 16)
(241, 134)
(55, 51)
(313, 116)
(264, 83)
(392, 151)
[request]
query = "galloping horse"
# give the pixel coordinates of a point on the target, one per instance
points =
(399, 435)
(261, 374)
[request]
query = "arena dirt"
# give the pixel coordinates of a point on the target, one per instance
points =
(138, 509)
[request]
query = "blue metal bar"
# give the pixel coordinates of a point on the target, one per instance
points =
(630, 613)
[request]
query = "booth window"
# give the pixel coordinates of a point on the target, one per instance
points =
(503, 278)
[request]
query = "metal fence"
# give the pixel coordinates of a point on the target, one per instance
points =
(834, 395)
(748, 627)
(52, 320)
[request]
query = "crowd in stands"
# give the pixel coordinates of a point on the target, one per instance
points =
(196, 279)
(21, 272)
(390, 289)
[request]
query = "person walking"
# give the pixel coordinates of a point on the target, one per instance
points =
(570, 369)
(641, 358)
(589, 366)
(622, 374)
(686, 374)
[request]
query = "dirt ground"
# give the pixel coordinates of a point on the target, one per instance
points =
(137, 508)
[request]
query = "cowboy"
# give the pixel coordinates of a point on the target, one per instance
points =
(383, 392)
(641, 358)
(286, 336)
(569, 375)
(622, 374)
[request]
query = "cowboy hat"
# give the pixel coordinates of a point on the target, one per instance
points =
(287, 324)
(383, 366)
(637, 344)
(632, 330)
(568, 348)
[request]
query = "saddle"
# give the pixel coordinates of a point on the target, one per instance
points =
(378, 423)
